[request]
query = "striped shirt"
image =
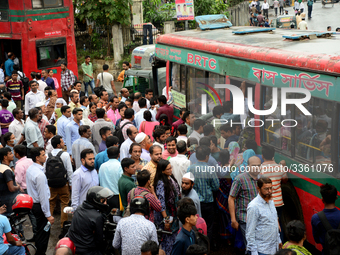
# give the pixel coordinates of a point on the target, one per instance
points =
(244, 190)
(276, 173)
(155, 204)
(14, 87)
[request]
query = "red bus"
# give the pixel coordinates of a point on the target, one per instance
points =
(40, 33)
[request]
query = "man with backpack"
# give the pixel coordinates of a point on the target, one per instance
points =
(101, 122)
(326, 223)
(146, 190)
(58, 170)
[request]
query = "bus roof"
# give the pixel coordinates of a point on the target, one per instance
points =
(320, 54)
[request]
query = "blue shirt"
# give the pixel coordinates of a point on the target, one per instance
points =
(37, 187)
(100, 159)
(109, 175)
(49, 81)
(229, 116)
(5, 227)
(9, 67)
(71, 134)
(78, 146)
(211, 160)
(61, 125)
(319, 231)
(102, 146)
(262, 231)
(206, 181)
(233, 138)
(82, 181)
(183, 240)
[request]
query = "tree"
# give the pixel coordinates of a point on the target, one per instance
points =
(105, 13)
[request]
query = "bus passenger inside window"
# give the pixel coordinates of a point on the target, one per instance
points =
(49, 56)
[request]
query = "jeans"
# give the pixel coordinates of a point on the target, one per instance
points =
(15, 250)
(281, 10)
(147, 29)
(275, 9)
(86, 84)
(42, 237)
(243, 227)
(310, 9)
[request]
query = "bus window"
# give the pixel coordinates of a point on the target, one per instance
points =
(46, 3)
(274, 133)
(175, 76)
(303, 130)
(51, 53)
(216, 79)
(320, 149)
(4, 4)
(183, 80)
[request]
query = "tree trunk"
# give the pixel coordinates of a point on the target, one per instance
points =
(108, 42)
(118, 47)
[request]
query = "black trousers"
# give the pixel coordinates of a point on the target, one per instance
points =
(42, 237)
(265, 13)
(208, 213)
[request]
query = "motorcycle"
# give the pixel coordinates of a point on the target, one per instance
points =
(22, 206)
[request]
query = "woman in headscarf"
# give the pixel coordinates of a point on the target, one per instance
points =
(242, 168)
(234, 150)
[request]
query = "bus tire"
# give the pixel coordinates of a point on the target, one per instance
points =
(292, 209)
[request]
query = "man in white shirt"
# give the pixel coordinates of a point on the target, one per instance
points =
(265, 8)
(105, 79)
(17, 124)
(49, 133)
(135, 105)
(182, 133)
(148, 97)
(303, 24)
(180, 163)
(42, 84)
(33, 97)
(139, 116)
(125, 147)
(144, 141)
(198, 129)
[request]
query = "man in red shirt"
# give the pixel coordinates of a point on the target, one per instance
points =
(164, 108)
(16, 88)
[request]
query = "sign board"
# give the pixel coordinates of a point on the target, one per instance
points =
(179, 99)
(185, 9)
(53, 33)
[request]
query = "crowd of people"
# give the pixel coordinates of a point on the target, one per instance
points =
(127, 155)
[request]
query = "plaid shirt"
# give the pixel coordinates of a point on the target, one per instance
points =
(205, 181)
(244, 190)
(155, 204)
(67, 79)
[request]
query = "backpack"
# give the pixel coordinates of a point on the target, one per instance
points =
(127, 212)
(56, 172)
(119, 132)
(201, 239)
(332, 238)
(24, 81)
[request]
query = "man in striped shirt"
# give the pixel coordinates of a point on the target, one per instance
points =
(278, 175)
(66, 80)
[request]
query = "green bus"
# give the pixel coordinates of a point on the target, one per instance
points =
(197, 60)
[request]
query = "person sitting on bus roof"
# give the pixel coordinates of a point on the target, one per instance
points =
(126, 66)
(330, 213)
(49, 81)
(267, 23)
(303, 24)
(9, 63)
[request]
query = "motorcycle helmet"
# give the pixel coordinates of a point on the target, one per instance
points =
(22, 203)
(139, 204)
(95, 194)
(66, 242)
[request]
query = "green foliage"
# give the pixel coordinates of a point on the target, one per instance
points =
(158, 14)
(208, 7)
(126, 57)
(105, 12)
